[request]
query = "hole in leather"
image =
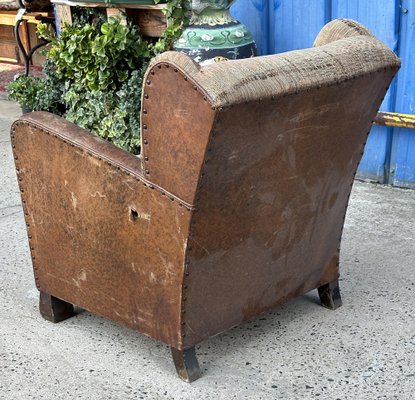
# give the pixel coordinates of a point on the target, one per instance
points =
(133, 214)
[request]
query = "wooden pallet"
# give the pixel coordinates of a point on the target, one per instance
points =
(150, 18)
(8, 49)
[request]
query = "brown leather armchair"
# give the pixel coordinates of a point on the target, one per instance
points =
(236, 204)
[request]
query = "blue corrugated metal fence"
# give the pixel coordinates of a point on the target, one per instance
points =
(284, 25)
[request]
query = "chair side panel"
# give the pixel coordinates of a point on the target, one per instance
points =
(273, 198)
(176, 125)
(101, 238)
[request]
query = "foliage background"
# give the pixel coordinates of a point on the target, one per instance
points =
(94, 72)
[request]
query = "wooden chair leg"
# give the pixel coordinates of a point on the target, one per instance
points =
(54, 309)
(186, 364)
(330, 295)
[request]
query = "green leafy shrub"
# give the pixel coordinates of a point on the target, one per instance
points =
(94, 72)
(24, 90)
(39, 94)
(50, 92)
(114, 115)
(177, 13)
(99, 63)
(98, 57)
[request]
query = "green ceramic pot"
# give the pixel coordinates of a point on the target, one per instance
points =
(214, 35)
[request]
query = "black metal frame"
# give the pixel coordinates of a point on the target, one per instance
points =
(27, 57)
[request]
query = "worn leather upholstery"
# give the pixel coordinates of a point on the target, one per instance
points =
(237, 202)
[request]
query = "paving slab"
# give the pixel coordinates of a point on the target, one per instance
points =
(363, 350)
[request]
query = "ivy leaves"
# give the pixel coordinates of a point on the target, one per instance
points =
(98, 57)
(112, 114)
(39, 94)
(177, 13)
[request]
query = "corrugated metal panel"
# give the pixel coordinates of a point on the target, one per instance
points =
(283, 25)
(294, 24)
(403, 148)
(254, 14)
(381, 17)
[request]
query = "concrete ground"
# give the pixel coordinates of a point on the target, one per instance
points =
(364, 350)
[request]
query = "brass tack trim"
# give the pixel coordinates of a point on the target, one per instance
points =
(25, 212)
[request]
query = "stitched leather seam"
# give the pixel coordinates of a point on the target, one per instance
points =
(145, 128)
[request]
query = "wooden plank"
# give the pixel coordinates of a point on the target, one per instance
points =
(118, 12)
(8, 60)
(8, 50)
(108, 5)
(152, 23)
(63, 15)
(24, 36)
(38, 56)
(6, 33)
(8, 18)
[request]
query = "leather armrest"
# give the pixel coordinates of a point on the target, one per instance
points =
(79, 137)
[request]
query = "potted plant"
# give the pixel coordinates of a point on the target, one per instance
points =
(24, 90)
(39, 94)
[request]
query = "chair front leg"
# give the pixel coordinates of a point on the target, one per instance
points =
(186, 364)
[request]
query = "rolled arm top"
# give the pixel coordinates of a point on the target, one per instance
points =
(345, 49)
(340, 29)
